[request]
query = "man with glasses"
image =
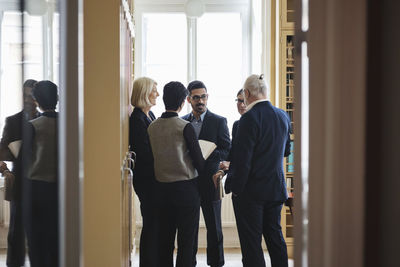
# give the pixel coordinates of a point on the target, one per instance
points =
(210, 127)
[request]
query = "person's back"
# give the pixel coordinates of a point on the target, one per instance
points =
(256, 176)
(172, 161)
(270, 128)
(42, 213)
(177, 156)
(44, 157)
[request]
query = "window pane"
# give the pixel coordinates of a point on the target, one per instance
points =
(164, 51)
(220, 61)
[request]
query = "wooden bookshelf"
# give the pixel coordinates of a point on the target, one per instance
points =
(286, 96)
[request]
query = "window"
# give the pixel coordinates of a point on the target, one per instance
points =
(164, 51)
(219, 57)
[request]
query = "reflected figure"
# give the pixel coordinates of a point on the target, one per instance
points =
(42, 182)
(144, 95)
(11, 138)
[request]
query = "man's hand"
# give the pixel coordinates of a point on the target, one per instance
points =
(3, 166)
(216, 177)
(224, 165)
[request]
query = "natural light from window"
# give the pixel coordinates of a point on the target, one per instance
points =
(164, 51)
(220, 61)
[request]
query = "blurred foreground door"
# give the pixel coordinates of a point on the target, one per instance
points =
(127, 159)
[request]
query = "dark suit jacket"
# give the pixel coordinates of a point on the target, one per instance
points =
(12, 131)
(234, 130)
(143, 173)
(261, 142)
(213, 129)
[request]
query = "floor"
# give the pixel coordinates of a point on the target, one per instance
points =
(232, 259)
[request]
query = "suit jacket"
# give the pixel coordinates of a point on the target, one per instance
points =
(234, 130)
(13, 130)
(261, 142)
(213, 129)
(143, 173)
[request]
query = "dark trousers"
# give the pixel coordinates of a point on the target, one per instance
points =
(41, 223)
(254, 220)
(179, 211)
(16, 236)
(148, 250)
(215, 243)
(183, 221)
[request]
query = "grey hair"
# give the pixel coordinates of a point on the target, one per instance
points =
(256, 85)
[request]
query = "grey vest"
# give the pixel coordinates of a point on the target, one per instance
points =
(172, 161)
(44, 150)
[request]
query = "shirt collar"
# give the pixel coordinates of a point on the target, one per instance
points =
(254, 103)
(201, 116)
(51, 114)
(169, 115)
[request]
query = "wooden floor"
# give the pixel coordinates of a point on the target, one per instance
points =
(233, 258)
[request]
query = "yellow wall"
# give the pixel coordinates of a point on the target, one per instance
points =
(102, 182)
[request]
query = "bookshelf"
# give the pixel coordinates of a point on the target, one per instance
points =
(286, 96)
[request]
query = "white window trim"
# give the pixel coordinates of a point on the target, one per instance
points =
(243, 9)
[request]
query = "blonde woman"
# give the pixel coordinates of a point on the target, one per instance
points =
(144, 95)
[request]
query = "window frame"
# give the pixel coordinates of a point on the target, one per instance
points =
(223, 7)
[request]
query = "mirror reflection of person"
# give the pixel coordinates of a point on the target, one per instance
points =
(42, 178)
(256, 178)
(178, 161)
(13, 132)
(9, 179)
(144, 96)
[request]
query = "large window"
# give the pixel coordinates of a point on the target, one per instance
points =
(220, 61)
(164, 50)
(212, 48)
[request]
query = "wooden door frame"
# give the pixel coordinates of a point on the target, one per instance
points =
(337, 90)
(70, 134)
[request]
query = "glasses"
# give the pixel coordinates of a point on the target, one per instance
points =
(198, 97)
(239, 101)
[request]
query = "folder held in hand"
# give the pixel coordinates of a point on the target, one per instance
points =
(207, 148)
(15, 147)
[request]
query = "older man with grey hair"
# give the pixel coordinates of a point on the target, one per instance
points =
(256, 177)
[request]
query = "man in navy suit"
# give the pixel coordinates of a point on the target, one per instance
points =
(256, 177)
(211, 127)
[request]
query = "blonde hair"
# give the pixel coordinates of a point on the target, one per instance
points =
(141, 90)
(256, 85)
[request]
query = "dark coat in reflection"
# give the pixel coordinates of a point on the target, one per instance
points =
(12, 131)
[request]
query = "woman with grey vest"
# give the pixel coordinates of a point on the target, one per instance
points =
(177, 162)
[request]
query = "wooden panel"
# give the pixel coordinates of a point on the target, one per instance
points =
(102, 182)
